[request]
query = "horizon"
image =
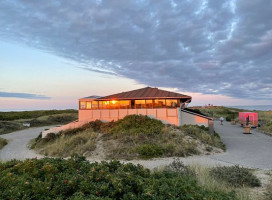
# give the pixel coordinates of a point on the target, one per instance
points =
(53, 53)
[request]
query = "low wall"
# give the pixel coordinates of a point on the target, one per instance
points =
(188, 118)
(166, 115)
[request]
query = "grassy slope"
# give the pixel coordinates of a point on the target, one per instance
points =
(3, 142)
(130, 138)
(12, 121)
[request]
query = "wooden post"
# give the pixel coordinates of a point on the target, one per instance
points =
(211, 127)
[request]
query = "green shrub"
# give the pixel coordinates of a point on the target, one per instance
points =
(3, 142)
(236, 176)
(178, 167)
(228, 118)
(150, 150)
(76, 178)
(135, 124)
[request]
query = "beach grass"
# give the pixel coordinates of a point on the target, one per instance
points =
(3, 142)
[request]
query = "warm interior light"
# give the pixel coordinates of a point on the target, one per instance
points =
(113, 101)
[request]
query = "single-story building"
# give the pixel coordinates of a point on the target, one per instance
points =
(169, 107)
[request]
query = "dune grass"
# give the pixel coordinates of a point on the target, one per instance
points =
(134, 137)
(269, 190)
(82, 143)
(3, 142)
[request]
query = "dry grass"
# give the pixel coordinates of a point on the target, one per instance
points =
(82, 143)
(269, 190)
(171, 142)
(210, 183)
(3, 142)
(265, 118)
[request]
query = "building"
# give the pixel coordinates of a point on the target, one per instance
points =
(169, 107)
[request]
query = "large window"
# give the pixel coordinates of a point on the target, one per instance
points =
(114, 104)
(82, 105)
(140, 104)
(159, 103)
(149, 103)
(89, 105)
(124, 104)
(171, 103)
(104, 104)
(94, 104)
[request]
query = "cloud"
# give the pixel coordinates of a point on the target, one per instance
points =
(209, 46)
(22, 95)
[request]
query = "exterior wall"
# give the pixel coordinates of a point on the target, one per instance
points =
(167, 115)
(188, 118)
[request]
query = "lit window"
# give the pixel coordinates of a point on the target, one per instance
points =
(114, 104)
(82, 105)
(94, 104)
(124, 104)
(171, 103)
(149, 103)
(104, 104)
(159, 103)
(140, 104)
(89, 105)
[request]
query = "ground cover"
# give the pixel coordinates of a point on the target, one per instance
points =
(134, 137)
(76, 178)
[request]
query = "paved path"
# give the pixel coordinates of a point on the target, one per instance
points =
(17, 146)
(250, 150)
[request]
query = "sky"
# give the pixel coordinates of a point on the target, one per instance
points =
(54, 52)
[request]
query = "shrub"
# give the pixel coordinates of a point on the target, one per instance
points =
(76, 178)
(135, 124)
(150, 150)
(3, 142)
(236, 176)
(228, 118)
(178, 167)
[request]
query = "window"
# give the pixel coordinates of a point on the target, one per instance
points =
(94, 104)
(104, 104)
(159, 103)
(82, 105)
(171, 103)
(149, 103)
(140, 104)
(114, 104)
(89, 105)
(124, 104)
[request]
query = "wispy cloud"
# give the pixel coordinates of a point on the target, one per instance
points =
(22, 95)
(211, 46)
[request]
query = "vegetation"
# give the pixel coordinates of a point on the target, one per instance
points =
(265, 118)
(13, 121)
(135, 136)
(269, 191)
(236, 176)
(10, 116)
(76, 178)
(3, 142)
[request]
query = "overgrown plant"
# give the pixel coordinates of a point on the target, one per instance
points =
(77, 178)
(236, 176)
(3, 142)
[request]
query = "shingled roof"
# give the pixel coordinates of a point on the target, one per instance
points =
(145, 93)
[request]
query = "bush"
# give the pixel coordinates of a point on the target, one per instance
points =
(3, 142)
(236, 176)
(76, 178)
(135, 124)
(150, 150)
(178, 167)
(228, 118)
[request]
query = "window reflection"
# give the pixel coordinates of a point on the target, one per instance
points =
(140, 104)
(171, 103)
(94, 104)
(89, 105)
(159, 103)
(124, 104)
(82, 105)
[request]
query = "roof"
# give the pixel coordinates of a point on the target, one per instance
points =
(192, 112)
(92, 97)
(145, 93)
